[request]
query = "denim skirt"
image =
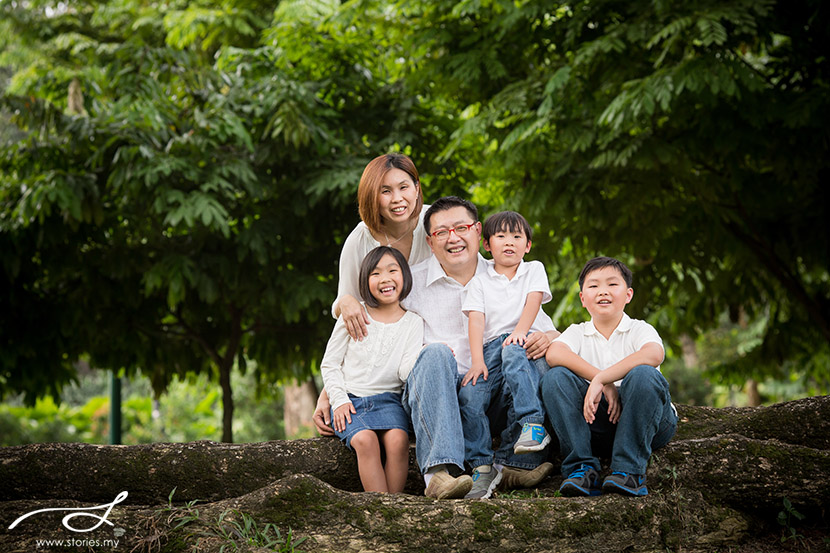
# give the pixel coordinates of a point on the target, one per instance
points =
(379, 412)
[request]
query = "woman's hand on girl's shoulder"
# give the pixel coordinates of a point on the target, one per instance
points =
(354, 317)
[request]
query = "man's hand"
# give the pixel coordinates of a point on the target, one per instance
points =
(322, 415)
(537, 345)
(474, 373)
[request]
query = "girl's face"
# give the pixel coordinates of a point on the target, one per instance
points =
(386, 281)
(398, 197)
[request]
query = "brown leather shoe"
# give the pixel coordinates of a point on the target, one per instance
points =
(444, 486)
(513, 478)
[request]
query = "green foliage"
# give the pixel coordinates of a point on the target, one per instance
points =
(686, 139)
(788, 518)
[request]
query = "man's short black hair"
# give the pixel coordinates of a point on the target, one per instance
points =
(601, 263)
(506, 221)
(368, 265)
(445, 203)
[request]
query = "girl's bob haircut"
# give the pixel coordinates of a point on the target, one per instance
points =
(368, 191)
(368, 265)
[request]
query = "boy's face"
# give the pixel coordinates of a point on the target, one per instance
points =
(604, 293)
(508, 247)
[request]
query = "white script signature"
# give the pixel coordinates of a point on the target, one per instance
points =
(82, 513)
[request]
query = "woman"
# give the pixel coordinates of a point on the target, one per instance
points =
(391, 206)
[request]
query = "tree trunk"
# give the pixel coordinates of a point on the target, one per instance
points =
(299, 403)
(227, 400)
(717, 486)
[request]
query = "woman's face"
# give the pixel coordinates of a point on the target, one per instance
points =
(398, 197)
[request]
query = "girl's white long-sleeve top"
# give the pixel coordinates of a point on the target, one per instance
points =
(379, 363)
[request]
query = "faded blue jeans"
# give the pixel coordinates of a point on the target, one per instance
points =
(491, 406)
(431, 398)
(647, 421)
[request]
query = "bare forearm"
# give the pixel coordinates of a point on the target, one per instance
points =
(531, 309)
(476, 334)
(560, 354)
(650, 354)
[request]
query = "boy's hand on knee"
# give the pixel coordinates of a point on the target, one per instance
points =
(515, 338)
(612, 396)
(474, 373)
(343, 416)
(592, 399)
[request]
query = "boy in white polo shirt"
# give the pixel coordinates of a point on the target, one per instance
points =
(503, 304)
(605, 384)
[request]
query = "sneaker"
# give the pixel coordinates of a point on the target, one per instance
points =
(485, 480)
(534, 437)
(512, 478)
(626, 484)
(582, 482)
(444, 486)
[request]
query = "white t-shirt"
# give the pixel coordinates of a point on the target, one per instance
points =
(437, 299)
(630, 336)
(360, 242)
(502, 300)
(379, 363)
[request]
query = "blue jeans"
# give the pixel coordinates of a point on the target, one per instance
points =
(431, 398)
(489, 407)
(647, 420)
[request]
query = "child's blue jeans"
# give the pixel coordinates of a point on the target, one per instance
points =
(512, 385)
(647, 421)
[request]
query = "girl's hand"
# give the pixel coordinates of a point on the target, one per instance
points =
(474, 373)
(343, 416)
(354, 317)
(612, 396)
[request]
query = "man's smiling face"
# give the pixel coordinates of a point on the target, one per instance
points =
(454, 251)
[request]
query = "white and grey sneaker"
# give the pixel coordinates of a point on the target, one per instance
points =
(485, 480)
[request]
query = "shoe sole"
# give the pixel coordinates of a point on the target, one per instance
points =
(463, 485)
(613, 487)
(490, 489)
(521, 449)
(572, 490)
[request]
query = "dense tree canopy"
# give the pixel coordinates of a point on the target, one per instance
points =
(184, 173)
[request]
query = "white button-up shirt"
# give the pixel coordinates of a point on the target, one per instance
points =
(629, 337)
(502, 300)
(437, 297)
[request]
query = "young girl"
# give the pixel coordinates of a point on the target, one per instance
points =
(364, 378)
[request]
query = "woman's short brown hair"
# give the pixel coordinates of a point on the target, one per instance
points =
(368, 192)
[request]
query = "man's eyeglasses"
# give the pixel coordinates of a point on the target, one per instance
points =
(444, 233)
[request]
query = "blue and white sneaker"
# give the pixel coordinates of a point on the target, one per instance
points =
(534, 437)
(584, 481)
(625, 483)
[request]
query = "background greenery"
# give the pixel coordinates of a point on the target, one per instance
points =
(176, 180)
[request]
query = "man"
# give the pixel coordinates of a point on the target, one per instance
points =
(431, 391)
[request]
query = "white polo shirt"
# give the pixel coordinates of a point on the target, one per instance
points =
(502, 299)
(437, 297)
(630, 336)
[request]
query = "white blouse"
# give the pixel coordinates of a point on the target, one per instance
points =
(379, 363)
(360, 242)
